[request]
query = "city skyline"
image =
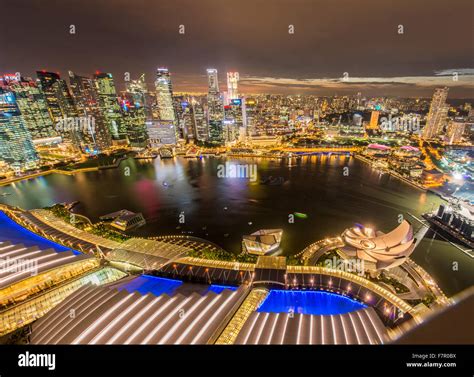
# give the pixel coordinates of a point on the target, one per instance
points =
(271, 54)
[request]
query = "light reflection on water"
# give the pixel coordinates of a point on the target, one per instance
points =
(220, 209)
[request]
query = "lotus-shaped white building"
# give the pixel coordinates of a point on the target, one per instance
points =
(379, 250)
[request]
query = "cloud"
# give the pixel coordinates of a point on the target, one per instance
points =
(459, 71)
(440, 78)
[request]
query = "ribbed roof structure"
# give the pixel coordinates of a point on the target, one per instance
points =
(102, 315)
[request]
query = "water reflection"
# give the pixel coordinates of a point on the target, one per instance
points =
(224, 209)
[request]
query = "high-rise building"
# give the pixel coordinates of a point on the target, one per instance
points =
(109, 106)
(233, 120)
(374, 120)
(49, 85)
(212, 80)
(32, 105)
(60, 104)
(232, 85)
(164, 95)
(199, 122)
(95, 136)
(187, 123)
(250, 115)
(133, 107)
(455, 131)
(437, 114)
(16, 145)
(215, 109)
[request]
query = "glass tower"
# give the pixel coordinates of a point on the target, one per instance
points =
(16, 146)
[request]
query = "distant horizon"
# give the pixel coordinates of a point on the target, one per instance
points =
(349, 90)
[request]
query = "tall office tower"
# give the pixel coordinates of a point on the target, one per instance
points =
(250, 115)
(133, 107)
(374, 120)
(186, 123)
(199, 122)
(233, 120)
(83, 93)
(65, 99)
(164, 95)
(455, 131)
(437, 115)
(49, 86)
(358, 101)
(16, 145)
(181, 109)
(212, 80)
(60, 104)
(151, 106)
(109, 107)
(94, 133)
(32, 106)
(232, 85)
(215, 109)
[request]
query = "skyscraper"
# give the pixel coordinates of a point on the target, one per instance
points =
(60, 104)
(16, 146)
(49, 85)
(215, 109)
(250, 115)
(455, 131)
(232, 85)
(374, 120)
(94, 138)
(437, 114)
(199, 122)
(109, 106)
(164, 95)
(213, 80)
(58, 97)
(32, 105)
(135, 114)
(233, 120)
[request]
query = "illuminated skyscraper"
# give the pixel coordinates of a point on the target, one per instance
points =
(16, 146)
(48, 82)
(250, 115)
(60, 104)
(58, 97)
(213, 80)
(164, 95)
(133, 107)
(94, 138)
(437, 115)
(32, 105)
(455, 131)
(199, 122)
(215, 110)
(232, 85)
(233, 120)
(109, 106)
(374, 120)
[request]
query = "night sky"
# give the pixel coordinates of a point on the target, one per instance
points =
(250, 36)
